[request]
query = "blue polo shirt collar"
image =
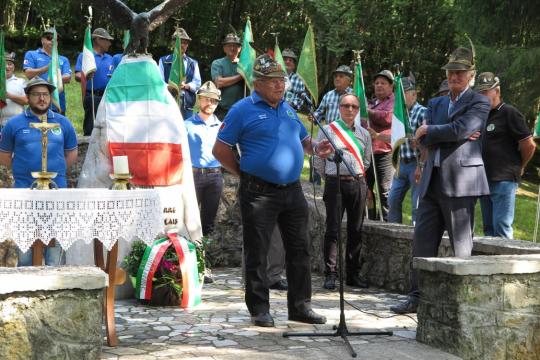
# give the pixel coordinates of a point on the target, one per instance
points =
(29, 114)
(41, 51)
(212, 120)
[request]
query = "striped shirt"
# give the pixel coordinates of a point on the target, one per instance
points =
(328, 167)
(329, 107)
(416, 117)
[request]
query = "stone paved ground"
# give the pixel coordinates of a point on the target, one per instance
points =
(220, 328)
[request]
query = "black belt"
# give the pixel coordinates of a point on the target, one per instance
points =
(96, 92)
(258, 181)
(207, 170)
(408, 161)
(345, 177)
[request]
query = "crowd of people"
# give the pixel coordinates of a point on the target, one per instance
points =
(467, 145)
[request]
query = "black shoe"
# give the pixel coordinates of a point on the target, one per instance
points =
(407, 307)
(330, 282)
(355, 281)
(280, 285)
(263, 319)
(308, 316)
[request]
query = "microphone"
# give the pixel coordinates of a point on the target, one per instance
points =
(306, 98)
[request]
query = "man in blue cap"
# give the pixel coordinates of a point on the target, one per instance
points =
(101, 42)
(272, 141)
(36, 63)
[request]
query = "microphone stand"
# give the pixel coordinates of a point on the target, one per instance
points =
(341, 329)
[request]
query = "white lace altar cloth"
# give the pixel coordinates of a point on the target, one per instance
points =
(70, 215)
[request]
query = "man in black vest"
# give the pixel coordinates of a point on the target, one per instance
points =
(193, 77)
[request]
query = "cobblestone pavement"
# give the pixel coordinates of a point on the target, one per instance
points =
(220, 328)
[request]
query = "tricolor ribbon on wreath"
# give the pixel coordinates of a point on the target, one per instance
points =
(187, 258)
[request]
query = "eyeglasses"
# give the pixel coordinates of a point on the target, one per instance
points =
(275, 81)
(40, 94)
(210, 100)
(349, 106)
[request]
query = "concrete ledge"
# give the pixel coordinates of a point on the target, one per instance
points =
(498, 246)
(51, 278)
(481, 265)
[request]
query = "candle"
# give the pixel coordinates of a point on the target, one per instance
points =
(120, 165)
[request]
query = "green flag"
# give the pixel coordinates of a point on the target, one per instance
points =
(537, 127)
(54, 76)
(247, 57)
(2, 71)
(178, 72)
(125, 40)
(400, 119)
(278, 57)
(359, 89)
(307, 65)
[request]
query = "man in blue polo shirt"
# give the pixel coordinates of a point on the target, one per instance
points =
(20, 149)
(202, 129)
(193, 78)
(272, 142)
(101, 42)
(36, 63)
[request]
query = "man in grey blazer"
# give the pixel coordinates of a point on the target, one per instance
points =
(454, 175)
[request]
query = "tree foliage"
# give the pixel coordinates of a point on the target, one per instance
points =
(420, 34)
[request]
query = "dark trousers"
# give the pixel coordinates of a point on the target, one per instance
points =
(353, 200)
(262, 206)
(385, 173)
(88, 124)
(208, 187)
(436, 213)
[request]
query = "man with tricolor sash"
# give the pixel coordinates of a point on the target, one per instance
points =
(355, 143)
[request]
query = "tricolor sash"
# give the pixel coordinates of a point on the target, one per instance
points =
(348, 139)
(187, 258)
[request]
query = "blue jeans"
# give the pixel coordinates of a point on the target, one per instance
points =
(498, 209)
(400, 185)
(54, 256)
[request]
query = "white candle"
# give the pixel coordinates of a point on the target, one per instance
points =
(120, 165)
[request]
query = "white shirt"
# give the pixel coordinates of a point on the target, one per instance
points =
(14, 86)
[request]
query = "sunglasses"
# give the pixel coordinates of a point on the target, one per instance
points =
(349, 106)
(48, 37)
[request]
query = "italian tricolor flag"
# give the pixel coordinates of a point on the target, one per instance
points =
(143, 122)
(350, 141)
(400, 119)
(88, 60)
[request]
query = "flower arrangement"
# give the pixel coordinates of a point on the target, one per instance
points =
(167, 278)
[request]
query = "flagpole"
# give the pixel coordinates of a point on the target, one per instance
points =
(373, 164)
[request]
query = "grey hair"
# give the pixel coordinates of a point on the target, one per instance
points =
(341, 97)
(472, 73)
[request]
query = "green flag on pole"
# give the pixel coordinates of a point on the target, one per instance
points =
(125, 41)
(178, 72)
(537, 127)
(54, 76)
(307, 65)
(279, 57)
(247, 57)
(2, 71)
(360, 90)
(400, 118)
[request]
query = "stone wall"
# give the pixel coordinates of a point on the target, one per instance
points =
(483, 307)
(51, 313)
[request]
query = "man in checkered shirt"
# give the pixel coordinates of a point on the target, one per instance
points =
(328, 109)
(294, 88)
(409, 155)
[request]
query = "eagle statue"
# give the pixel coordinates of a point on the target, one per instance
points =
(139, 25)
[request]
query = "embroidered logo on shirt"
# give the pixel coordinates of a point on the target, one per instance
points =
(290, 113)
(263, 116)
(56, 131)
(26, 131)
(490, 127)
